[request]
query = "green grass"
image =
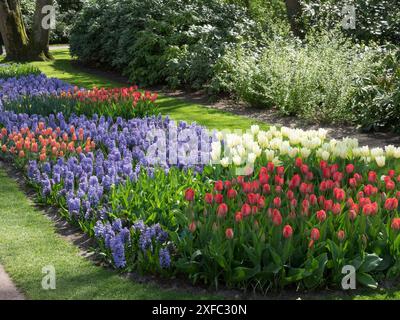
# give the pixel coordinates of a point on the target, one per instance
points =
(29, 242)
(176, 108)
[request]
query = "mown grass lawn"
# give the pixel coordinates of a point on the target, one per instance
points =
(29, 240)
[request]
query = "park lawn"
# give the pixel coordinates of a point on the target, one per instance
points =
(29, 240)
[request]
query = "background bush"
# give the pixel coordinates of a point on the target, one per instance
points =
(315, 79)
(376, 20)
(158, 41)
(376, 103)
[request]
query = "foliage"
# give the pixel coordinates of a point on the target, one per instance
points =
(314, 80)
(17, 70)
(376, 20)
(376, 103)
(270, 14)
(158, 41)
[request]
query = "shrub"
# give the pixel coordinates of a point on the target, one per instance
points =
(314, 80)
(158, 41)
(376, 20)
(376, 102)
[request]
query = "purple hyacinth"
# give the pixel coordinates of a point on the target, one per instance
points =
(164, 258)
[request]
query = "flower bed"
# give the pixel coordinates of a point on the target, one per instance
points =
(55, 97)
(269, 209)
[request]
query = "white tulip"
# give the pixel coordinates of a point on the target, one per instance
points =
(254, 129)
(225, 162)
(270, 154)
(305, 152)
(380, 161)
(325, 155)
(251, 157)
(237, 161)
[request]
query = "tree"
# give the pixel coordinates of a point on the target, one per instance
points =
(293, 8)
(20, 47)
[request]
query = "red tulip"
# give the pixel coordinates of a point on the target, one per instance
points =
(246, 210)
(238, 217)
(270, 167)
(295, 181)
(276, 217)
(222, 210)
(352, 215)
(315, 234)
(229, 233)
(339, 194)
(227, 185)
(219, 186)
(219, 198)
(352, 182)
(372, 176)
(336, 208)
(313, 199)
(395, 224)
(321, 215)
(263, 178)
(328, 204)
(341, 235)
(277, 202)
(304, 169)
(208, 198)
(390, 185)
(232, 193)
(298, 162)
(261, 202)
(391, 204)
(349, 168)
(189, 194)
(192, 227)
(246, 187)
(287, 231)
(266, 188)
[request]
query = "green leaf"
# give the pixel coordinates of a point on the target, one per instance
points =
(367, 280)
(370, 263)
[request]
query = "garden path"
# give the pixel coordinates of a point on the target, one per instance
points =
(8, 291)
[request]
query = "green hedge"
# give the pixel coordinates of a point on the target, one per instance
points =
(160, 41)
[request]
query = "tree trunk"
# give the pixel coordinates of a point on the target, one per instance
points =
(13, 30)
(293, 8)
(40, 36)
(18, 46)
